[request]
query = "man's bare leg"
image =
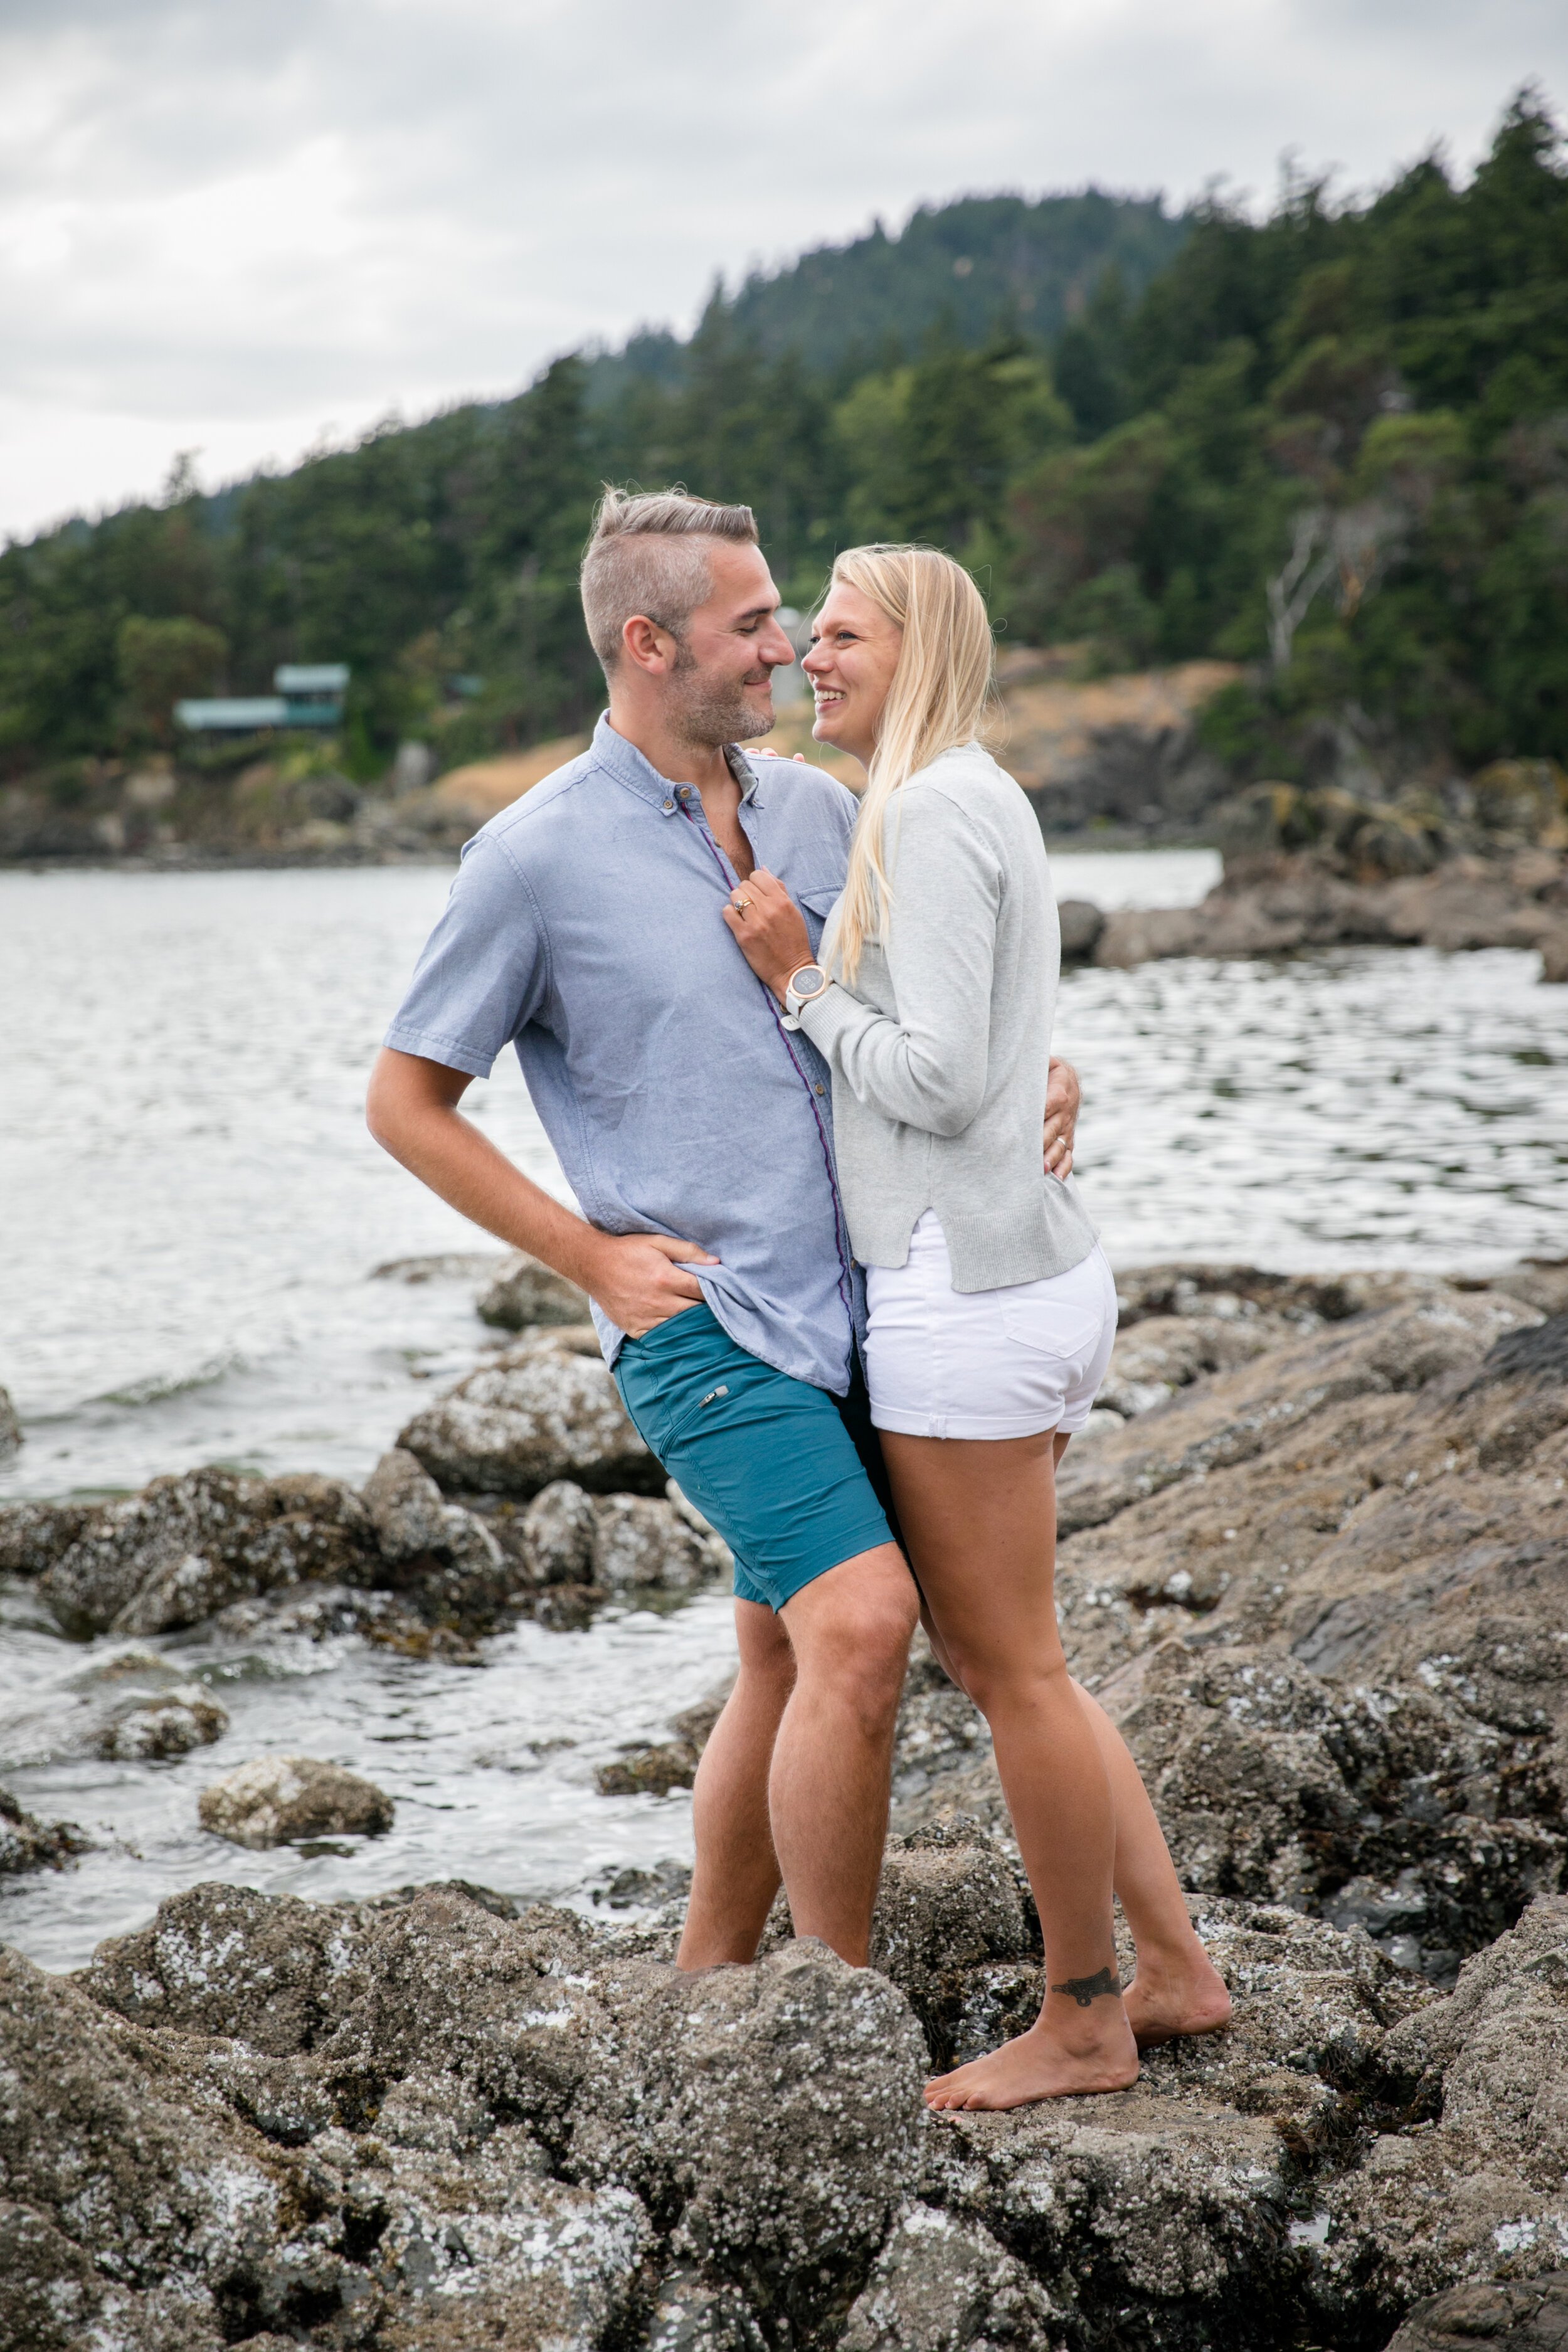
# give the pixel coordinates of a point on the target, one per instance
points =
(828, 1790)
(737, 1872)
(793, 1782)
(981, 1520)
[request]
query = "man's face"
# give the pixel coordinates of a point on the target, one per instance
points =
(721, 688)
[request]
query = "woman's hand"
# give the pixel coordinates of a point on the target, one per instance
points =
(1063, 1095)
(770, 928)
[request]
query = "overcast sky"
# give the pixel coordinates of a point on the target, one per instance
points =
(239, 226)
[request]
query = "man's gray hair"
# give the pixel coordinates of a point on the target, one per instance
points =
(648, 553)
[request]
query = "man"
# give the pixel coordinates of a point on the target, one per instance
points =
(586, 928)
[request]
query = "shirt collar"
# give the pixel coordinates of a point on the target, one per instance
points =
(637, 771)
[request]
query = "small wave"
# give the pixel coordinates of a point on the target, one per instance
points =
(158, 1386)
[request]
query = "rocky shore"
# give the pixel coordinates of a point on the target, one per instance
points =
(1115, 758)
(547, 1505)
(266, 803)
(1485, 866)
(1279, 906)
(1315, 1557)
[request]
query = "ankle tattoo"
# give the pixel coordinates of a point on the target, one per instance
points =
(1086, 1990)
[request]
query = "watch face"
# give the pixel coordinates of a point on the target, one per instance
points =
(809, 980)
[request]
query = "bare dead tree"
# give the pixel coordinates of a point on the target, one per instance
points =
(1352, 546)
(1310, 564)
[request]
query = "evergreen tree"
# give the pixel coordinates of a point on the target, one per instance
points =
(1331, 443)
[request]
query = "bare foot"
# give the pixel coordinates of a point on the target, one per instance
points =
(1053, 2061)
(1170, 1997)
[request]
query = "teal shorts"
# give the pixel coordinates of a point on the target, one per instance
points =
(789, 1475)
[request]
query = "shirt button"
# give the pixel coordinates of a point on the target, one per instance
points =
(667, 806)
(819, 1090)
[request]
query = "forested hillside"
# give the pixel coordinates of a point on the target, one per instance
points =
(1332, 445)
(963, 267)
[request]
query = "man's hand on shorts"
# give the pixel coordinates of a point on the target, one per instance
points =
(1063, 1096)
(641, 1279)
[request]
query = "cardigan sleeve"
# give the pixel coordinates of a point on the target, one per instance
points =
(924, 1066)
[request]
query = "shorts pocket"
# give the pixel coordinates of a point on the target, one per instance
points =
(687, 1419)
(1070, 1334)
(670, 1373)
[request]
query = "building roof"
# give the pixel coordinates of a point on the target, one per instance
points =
(245, 712)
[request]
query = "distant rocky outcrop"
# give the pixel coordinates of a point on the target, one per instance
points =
(1119, 752)
(1292, 904)
(1486, 865)
(278, 804)
(10, 1427)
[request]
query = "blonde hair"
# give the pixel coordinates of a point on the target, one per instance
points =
(649, 552)
(939, 696)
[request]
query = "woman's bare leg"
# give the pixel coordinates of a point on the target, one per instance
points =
(981, 1516)
(1177, 1988)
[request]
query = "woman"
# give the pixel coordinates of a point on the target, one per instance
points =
(991, 1309)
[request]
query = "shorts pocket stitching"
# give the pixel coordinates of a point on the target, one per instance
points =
(1082, 1331)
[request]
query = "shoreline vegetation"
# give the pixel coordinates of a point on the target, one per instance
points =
(1311, 1560)
(1447, 861)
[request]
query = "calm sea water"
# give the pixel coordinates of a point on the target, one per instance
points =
(194, 1215)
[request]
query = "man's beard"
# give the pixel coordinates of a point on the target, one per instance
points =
(712, 711)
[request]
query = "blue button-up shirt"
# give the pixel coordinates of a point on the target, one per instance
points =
(585, 927)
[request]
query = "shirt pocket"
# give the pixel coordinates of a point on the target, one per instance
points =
(817, 902)
(1070, 1334)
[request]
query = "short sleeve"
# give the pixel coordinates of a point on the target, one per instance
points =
(483, 974)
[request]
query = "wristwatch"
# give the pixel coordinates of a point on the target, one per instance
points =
(803, 986)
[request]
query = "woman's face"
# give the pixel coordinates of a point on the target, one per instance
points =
(854, 653)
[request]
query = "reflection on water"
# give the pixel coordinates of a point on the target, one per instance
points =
(1359, 1107)
(194, 1213)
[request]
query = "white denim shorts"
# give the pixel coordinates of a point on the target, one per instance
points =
(985, 1363)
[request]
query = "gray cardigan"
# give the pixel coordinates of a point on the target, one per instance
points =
(940, 1055)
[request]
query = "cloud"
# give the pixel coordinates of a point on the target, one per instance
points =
(224, 227)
